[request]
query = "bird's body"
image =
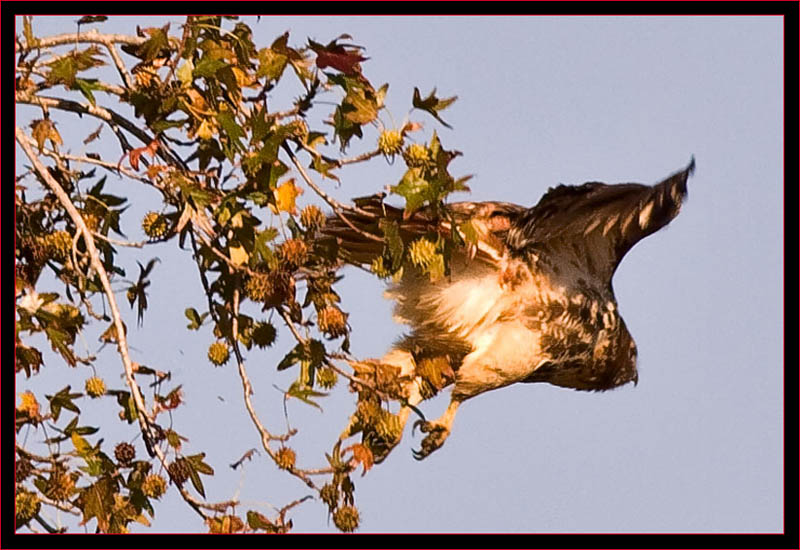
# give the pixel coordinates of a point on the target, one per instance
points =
(530, 301)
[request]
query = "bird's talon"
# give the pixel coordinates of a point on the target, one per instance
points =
(436, 437)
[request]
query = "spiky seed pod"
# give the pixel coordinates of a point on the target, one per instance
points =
(27, 505)
(378, 267)
(155, 225)
(326, 378)
(294, 252)
(91, 220)
(263, 334)
(124, 453)
(218, 353)
(154, 486)
(312, 217)
(95, 387)
(346, 519)
(416, 156)
(22, 469)
(298, 127)
(390, 142)
(329, 495)
(421, 251)
(60, 486)
(258, 288)
(272, 289)
(285, 457)
(179, 471)
(332, 321)
(59, 245)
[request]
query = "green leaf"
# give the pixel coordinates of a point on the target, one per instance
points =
(391, 234)
(97, 501)
(196, 320)
(185, 73)
(259, 521)
(293, 357)
(304, 394)
(81, 445)
(432, 104)
(271, 64)
(156, 46)
(63, 399)
(415, 189)
(86, 87)
(196, 467)
(232, 129)
(207, 67)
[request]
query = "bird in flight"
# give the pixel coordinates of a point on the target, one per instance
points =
(529, 300)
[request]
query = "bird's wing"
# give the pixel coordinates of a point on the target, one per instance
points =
(361, 233)
(590, 227)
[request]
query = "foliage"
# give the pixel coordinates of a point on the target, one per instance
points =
(229, 170)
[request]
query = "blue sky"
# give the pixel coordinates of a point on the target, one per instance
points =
(696, 446)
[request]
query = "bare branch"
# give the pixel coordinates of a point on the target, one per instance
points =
(336, 205)
(145, 422)
(247, 388)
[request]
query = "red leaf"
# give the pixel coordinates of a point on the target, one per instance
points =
(340, 59)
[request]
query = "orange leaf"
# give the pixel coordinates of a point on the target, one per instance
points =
(362, 455)
(286, 195)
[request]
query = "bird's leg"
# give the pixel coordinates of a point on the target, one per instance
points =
(380, 442)
(437, 431)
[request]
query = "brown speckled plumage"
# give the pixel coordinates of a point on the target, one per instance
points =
(533, 301)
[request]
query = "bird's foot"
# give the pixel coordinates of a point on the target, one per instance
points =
(437, 434)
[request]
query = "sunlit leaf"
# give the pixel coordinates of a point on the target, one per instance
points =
(432, 104)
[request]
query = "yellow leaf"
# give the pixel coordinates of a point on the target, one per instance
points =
(238, 254)
(286, 195)
(205, 131)
(44, 129)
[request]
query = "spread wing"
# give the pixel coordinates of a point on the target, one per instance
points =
(592, 226)
(360, 233)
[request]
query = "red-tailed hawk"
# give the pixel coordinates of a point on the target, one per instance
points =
(532, 301)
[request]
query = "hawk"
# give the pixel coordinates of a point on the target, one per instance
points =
(529, 300)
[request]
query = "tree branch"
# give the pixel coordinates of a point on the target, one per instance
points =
(122, 344)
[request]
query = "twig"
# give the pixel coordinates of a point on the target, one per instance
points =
(98, 112)
(336, 205)
(119, 243)
(145, 422)
(49, 528)
(247, 388)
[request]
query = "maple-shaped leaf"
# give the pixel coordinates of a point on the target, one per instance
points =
(304, 394)
(157, 46)
(432, 104)
(97, 501)
(110, 334)
(136, 292)
(342, 57)
(135, 154)
(286, 196)
(172, 400)
(362, 455)
(43, 129)
(257, 520)
(64, 69)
